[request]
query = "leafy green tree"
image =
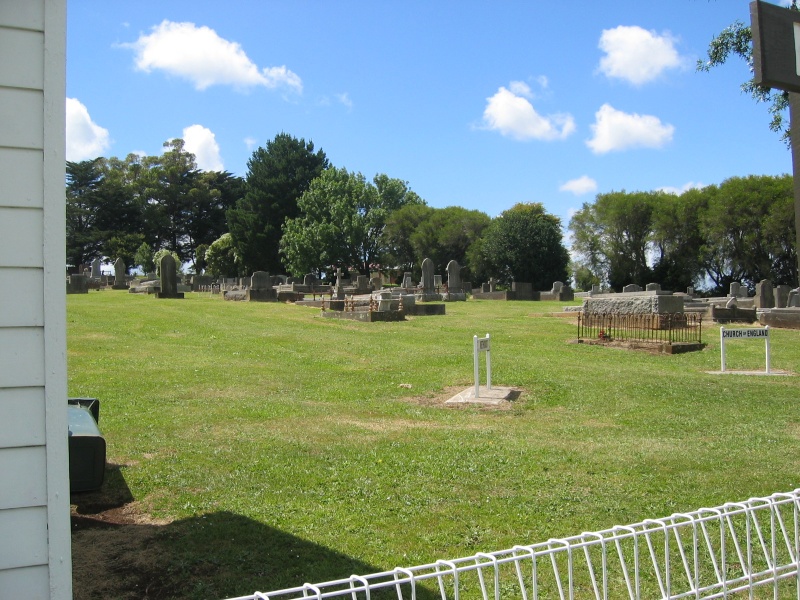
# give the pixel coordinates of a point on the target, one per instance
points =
(341, 222)
(591, 261)
(613, 236)
(748, 231)
(277, 176)
(124, 246)
(200, 262)
(221, 258)
(100, 208)
(524, 243)
(583, 277)
(448, 234)
(210, 196)
(167, 202)
(397, 237)
(84, 180)
(160, 254)
(677, 239)
(144, 258)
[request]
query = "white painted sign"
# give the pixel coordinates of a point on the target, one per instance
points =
(744, 333)
(482, 345)
(748, 333)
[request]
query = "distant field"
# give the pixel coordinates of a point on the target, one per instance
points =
(254, 446)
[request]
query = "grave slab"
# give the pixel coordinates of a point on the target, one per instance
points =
(496, 395)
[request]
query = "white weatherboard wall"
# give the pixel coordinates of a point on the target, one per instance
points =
(35, 557)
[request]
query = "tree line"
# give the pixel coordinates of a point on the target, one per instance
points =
(742, 230)
(293, 213)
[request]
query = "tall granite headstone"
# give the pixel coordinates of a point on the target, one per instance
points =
(119, 275)
(455, 292)
(428, 288)
(96, 272)
(169, 278)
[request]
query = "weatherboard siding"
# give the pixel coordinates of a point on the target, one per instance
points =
(35, 559)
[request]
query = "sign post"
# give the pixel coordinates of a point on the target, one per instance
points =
(776, 63)
(748, 333)
(482, 345)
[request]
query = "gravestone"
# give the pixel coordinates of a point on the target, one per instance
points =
(427, 276)
(428, 293)
(77, 284)
(523, 290)
(169, 279)
(338, 288)
(260, 289)
(455, 291)
(407, 284)
(362, 284)
(119, 275)
(782, 296)
(310, 280)
(765, 297)
(201, 282)
(794, 299)
(652, 287)
(630, 288)
(437, 282)
(96, 272)
(376, 283)
(733, 289)
(454, 277)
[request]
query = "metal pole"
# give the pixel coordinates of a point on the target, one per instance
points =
(722, 347)
(488, 363)
(477, 375)
(768, 367)
(794, 136)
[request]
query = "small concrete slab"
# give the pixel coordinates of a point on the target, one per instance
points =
(494, 396)
(772, 373)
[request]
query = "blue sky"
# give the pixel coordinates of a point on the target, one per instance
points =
(474, 103)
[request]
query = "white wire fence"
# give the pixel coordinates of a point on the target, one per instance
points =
(743, 549)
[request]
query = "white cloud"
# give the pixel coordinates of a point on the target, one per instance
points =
(679, 190)
(511, 113)
(202, 142)
(637, 55)
(520, 88)
(250, 142)
(617, 130)
(344, 99)
(199, 55)
(85, 138)
(581, 185)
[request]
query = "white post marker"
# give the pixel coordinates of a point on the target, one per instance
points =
(751, 332)
(482, 345)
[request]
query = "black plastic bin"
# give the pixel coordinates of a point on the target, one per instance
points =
(87, 447)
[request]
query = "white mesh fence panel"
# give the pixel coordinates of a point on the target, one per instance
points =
(743, 549)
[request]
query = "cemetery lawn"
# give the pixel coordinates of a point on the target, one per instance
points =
(255, 446)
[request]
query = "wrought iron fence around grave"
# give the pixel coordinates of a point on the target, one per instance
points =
(659, 328)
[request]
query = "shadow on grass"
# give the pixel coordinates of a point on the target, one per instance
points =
(117, 553)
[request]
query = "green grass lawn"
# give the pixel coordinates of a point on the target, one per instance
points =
(268, 446)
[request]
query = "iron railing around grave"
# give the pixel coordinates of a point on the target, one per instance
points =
(662, 328)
